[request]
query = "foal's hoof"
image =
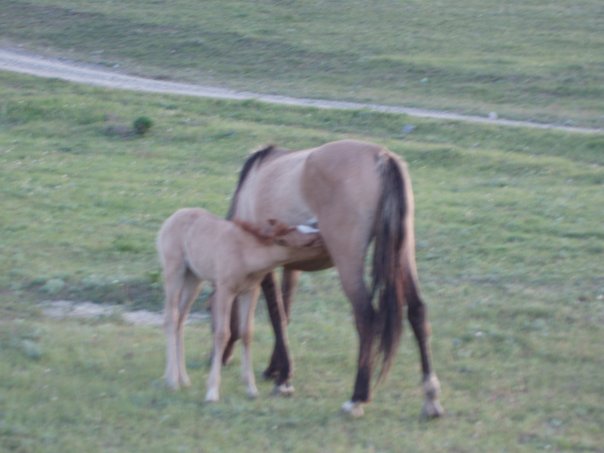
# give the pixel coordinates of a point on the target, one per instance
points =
(252, 393)
(354, 409)
(285, 389)
(185, 381)
(432, 409)
(212, 396)
(171, 384)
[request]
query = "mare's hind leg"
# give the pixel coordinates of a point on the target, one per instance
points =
(190, 290)
(364, 315)
(350, 269)
(416, 313)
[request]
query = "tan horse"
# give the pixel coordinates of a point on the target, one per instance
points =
(358, 193)
(194, 246)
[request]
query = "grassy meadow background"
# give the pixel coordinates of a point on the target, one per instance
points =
(533, 60)
(509, 223)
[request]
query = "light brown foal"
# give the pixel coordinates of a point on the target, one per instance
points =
(194, 245)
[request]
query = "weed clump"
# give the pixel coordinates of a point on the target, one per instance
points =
(142, 125)
(139, 127)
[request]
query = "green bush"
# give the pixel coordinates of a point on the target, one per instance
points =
(142, 124)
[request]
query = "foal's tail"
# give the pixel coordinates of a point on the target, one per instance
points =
(387, 277)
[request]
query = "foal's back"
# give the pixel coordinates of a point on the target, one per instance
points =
(196, 240)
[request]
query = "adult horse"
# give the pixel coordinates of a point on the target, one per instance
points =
(357, 194)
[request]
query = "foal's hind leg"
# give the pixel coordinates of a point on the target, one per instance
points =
(173, 284)
(182, 288)
(416, 312)
(190, 290)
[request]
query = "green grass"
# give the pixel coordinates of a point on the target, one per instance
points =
(509, 231)
(533, 60)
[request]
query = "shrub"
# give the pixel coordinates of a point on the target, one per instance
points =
(142, 124)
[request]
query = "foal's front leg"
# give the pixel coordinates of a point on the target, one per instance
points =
(221, 311)
(247, 302)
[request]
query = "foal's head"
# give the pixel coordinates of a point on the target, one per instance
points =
(279, 233)
(289, 236)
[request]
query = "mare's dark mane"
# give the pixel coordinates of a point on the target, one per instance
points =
(256, 157)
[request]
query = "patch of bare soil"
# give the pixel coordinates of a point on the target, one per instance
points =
(63, 309)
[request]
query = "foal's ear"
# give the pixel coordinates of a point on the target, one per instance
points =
(263, 236)
(278, 229)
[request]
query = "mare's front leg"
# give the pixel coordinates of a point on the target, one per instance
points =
(228, 350)
(221, 312)
(280, 364)
(247, 302)
(289, 285)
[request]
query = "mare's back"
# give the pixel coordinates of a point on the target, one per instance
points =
(272, 190)
(343, 169)
(290, 186)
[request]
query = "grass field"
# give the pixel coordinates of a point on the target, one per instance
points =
(533, 60)
(509, 230)
(509, 221)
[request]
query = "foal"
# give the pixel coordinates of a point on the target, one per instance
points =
(195, 245)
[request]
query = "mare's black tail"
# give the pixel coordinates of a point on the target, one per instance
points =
(387, 283)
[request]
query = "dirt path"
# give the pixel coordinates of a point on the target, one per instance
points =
(26, 63)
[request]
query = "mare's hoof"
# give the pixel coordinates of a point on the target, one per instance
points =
(432, 407)
(354, 409)
(269, 374)
(285, 389)
(227, 359)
